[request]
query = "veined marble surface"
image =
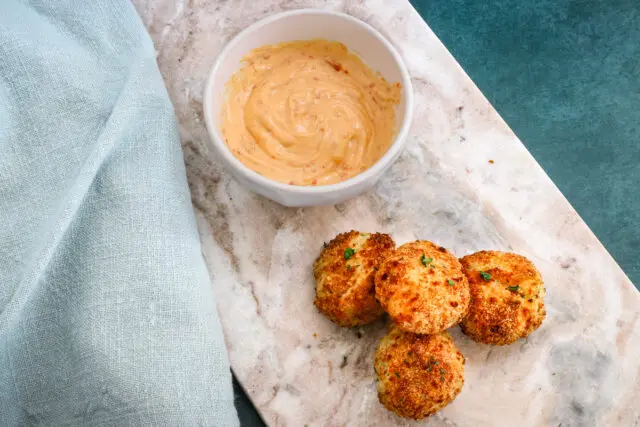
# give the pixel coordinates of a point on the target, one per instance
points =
(465, 182)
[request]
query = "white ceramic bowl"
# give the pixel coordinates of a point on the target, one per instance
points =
(306, 24)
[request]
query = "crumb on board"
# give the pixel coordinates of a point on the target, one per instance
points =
(344, 361)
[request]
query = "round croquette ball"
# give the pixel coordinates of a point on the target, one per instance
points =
(422, 287)
(418, 374)
(344, 274)
(507, 297)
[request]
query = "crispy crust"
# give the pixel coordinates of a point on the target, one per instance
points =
(344, 288)
(418, 374)
(499, 315)
(419, 298)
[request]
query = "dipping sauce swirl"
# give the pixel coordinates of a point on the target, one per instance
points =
(308, 113)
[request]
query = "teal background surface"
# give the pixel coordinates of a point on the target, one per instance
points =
(565, 75)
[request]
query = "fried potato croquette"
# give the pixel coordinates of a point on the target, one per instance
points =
(422, 287)
(507, 297)
(344, 274)
(418, 374)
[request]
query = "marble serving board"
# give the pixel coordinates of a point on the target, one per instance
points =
(465, 182)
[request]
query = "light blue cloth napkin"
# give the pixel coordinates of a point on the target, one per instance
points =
(107, 315)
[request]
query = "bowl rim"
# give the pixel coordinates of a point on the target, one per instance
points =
(371, 173)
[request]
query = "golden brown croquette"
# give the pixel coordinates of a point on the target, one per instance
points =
(344, 274)
(507, 297)
(422, 287)
(418, 374)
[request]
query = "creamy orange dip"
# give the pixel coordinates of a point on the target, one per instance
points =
(308, 113)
